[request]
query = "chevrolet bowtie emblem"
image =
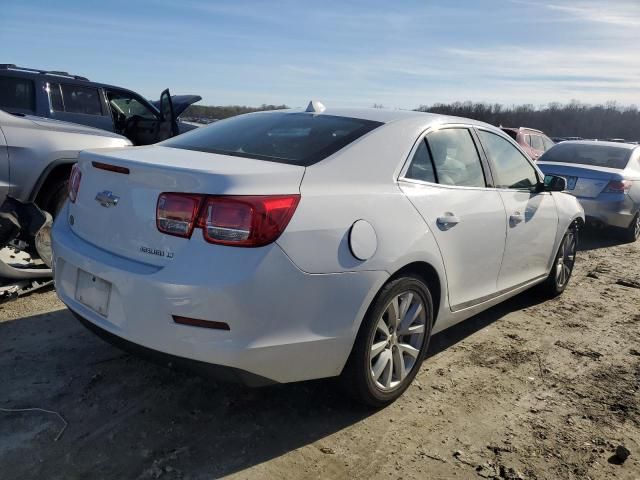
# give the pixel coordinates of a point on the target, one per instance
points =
(107, 199)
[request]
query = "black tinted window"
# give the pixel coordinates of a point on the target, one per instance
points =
(588, 154)
(455, 158)
(75, 99)
(421, 167)
(16, 94)
(295, 138)
(513, 170)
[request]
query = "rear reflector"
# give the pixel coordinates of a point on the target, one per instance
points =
(110, 168)
(195, 322)
(74, 182)
(176, 213)
(618, 186)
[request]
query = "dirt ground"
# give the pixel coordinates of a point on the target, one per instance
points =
(528, 389)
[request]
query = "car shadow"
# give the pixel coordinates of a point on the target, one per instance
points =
(593, 238)
(128, 418)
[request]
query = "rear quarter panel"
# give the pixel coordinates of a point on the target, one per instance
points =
(359, 182)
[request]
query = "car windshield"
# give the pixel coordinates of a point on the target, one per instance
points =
(592, 155)
(286, 137)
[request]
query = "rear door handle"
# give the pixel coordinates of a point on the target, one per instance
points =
(447, 221)
(516, 218)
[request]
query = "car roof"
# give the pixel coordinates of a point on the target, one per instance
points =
(384, 115)
(598, 143)
(518, 129)
(57, 77)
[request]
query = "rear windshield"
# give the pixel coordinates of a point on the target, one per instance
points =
(285, 137)
(592, 155)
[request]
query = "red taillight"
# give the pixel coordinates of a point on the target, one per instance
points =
(176, 213)
(618, 186)
(74, 182)
(241, 221)
(246, 221)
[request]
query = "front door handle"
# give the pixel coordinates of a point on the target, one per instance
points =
(516, 218)
(447, 221)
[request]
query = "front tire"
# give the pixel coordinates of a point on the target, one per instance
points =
(391, 343)
(558, 278)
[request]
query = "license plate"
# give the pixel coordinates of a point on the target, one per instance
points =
(93, 292)
(571, 182)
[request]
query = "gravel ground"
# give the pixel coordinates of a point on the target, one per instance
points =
(528, 389)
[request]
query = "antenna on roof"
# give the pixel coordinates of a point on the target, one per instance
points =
(315, 107)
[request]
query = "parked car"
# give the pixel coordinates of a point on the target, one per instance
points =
(605, 177)
(73, 98)
(36, 156)
(533, 142)
(290, 245)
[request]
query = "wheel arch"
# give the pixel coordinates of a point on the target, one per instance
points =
(431, 278)
(55, 171)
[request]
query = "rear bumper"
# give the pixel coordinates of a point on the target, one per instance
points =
(616, 212)
(285, 325)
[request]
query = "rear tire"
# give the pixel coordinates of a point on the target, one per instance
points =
(632, 232)
(391, 343)
(562, 268)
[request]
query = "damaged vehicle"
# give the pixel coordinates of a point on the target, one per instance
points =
(73, 98)
(292, 245)
(36, 157)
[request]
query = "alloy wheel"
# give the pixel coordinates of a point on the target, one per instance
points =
(396, 342)
(566, 259)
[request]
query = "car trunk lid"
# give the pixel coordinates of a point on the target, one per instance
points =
(582, 181)
(116, 204)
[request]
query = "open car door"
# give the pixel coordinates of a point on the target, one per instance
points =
(168, 127)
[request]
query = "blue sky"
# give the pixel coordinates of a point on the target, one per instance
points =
(352, 53)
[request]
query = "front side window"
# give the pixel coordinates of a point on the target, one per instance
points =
(421, 167)
(287, 137)
(512, 169)
(455, 158)
(17, 94)
(548, 143)
(129, 106)
(74, 99)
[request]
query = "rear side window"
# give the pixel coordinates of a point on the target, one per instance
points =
(588, 154)
(287, 137)
(536, 142)
(512, 168)
(75, 99)
(17, 94)
(421, 167)
(455, 158)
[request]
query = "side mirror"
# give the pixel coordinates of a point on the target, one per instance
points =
(553, 183)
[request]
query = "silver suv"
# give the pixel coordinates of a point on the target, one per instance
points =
(36, 156)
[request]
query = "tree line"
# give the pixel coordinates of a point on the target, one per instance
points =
(573, 119)
(213, 112)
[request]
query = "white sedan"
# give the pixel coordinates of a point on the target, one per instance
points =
(299, 244)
